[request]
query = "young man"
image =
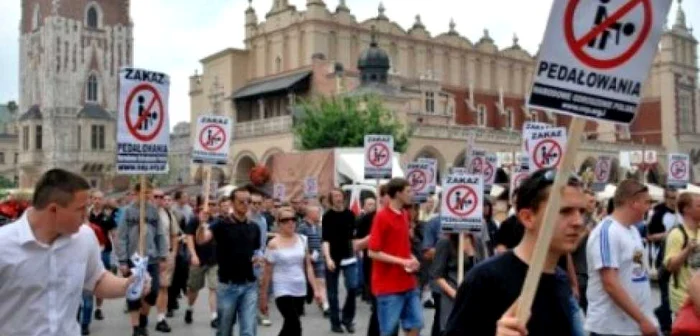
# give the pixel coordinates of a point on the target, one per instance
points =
(338, 226)
(172, 230)
(619, 294)
(682, 257)
(48, 257)
(311, 228)
(106, 222)
(237, 241)
(156, 249)
(490, 288)
(663, 219)
(393, 281)
(256, 216)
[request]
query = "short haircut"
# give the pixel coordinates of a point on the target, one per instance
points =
(396, 185)
(223, 199)
(669, 190)
(627, 190)
(237, 191)
(685, 200)
(364, 202)
(383, 190)
(534, 190)
(137, 186)
(178, 195)
(58, 186)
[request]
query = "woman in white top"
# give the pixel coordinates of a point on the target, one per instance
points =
(287, 265)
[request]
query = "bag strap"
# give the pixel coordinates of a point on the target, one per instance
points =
(681, 228)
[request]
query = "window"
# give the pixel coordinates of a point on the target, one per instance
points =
(16, 158)
(430, 102)
(685, 117)
(35, 17)
(481, 118)
(2, 158)
(92, 88)
(509, 119)
(92, 18)
(97, 137)
(80, 137)
(38, 137)
(25, 138)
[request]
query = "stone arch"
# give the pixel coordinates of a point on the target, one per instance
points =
(218, 176)
(242, 164)
(267, 157)
(431, 152)
(92, 17)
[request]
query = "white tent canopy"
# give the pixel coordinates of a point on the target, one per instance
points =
(607, 193)
(691, 188)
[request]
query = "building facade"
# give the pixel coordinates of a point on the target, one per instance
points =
(180, 155)
(70, 55)
(458, 86)
(9, 155)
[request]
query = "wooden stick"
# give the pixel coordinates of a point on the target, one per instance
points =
(207, 186)
(142, 214)
(544, 238)
(460, 259)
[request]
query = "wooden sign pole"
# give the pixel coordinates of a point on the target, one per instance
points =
(544, 238)
(460, 259)
(142, 214)
(207, 187)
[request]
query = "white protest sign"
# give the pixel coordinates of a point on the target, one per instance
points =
(310, 187)
(461, 207)
(546, 147)
(417, 174)
(433, 168)
(517, 177)
(143, 128)
(212, 141)
(379, 151)
(636, 157)
(678, 170)
(532, 125)
(650, 157)
(489, 171)
(596, 55)
(279, 191)
(477, 161)
(601, 173)
(459, 171)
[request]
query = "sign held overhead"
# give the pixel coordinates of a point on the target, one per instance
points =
(211, 146)
(379, 151)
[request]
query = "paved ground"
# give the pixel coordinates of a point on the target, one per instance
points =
(116, 322)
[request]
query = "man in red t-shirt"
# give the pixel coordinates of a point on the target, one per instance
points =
(393, 283)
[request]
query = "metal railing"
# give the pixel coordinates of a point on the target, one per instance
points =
(260, 127)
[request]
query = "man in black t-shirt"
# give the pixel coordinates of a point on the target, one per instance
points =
(237, 250)
(106, 222)
(338, 227)
(490, 288)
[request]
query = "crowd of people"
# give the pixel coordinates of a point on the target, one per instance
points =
(247, 250)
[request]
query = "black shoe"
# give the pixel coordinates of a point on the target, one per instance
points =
(188, 316)
(429, 304)
(327, 313)
(215, 323)
(98, 315)
(85, 330)
(163, 326)
(139, 331)
(337, 329)
(170, 314)
(350, 327)
(144, 331)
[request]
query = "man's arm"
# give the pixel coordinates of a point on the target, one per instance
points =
(613, 287)
(161, 238)
(111, 286)
(121, 245)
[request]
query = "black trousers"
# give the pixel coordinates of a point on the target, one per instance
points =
(291, 308)
(435, 330)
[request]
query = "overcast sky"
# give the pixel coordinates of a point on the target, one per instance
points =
(173, 35)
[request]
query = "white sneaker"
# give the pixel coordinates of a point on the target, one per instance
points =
(265, 321)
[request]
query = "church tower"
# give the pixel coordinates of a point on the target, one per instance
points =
(70, 55)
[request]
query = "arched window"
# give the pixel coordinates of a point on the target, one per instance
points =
(481, 118)
(92, 86)
(35, 17)
(92, 18)
(509, 119)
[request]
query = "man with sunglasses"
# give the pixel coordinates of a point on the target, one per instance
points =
(238, 244)
(619, 293)
(663, 219)
(482, 303)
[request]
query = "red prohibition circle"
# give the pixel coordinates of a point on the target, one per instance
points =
(382, 149)
(555, 146)
(517, 179)
(218, 130)
(422, 178)
(674, 166)
(132, 126)
(602, 169)
(468, 192)
(488, 171)
(576, 45)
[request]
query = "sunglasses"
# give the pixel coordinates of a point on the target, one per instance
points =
(287, 220)
(256, 203)
(158, 196)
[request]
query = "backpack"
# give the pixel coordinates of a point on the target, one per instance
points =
(665, 274)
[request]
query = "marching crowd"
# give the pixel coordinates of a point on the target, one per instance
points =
(248, 250)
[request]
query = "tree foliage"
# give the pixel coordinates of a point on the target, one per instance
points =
(6, 183)
(344, 122)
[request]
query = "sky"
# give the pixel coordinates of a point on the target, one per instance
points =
(173, 35)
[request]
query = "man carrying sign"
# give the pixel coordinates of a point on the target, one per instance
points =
(486, 298)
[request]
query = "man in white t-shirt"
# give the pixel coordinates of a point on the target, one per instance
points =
(619, 293)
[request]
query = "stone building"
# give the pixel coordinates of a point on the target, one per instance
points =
(180, 154)
(456, 86)
(8, 143)
(70, 54)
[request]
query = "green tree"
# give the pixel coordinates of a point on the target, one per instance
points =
(344, 121)
(6, 183)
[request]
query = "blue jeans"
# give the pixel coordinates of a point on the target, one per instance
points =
(107, 259)
(576, 320)
(351, 280)
(85, 312)
(237, 300)
(401, 308)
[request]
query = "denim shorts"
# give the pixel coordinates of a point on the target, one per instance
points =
(402, 308)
